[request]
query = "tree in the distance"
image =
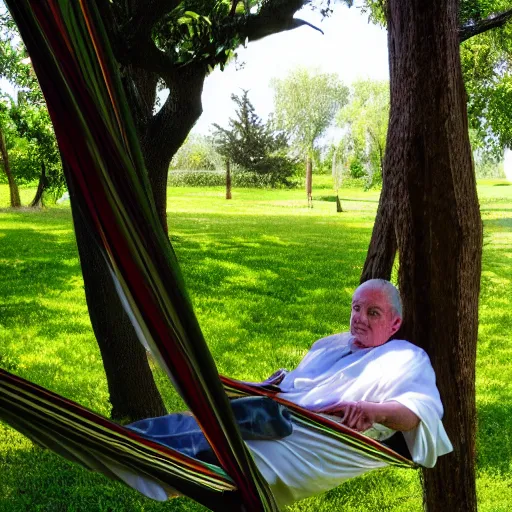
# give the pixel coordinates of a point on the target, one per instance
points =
(26, 120)
(30, 148)
(365, 123)
(305, 104)
(14, 193)
(196, 154)
(254, 145)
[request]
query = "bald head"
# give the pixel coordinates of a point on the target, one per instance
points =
(376, 313)
(389, 289)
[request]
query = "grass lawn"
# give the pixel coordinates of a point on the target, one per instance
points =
(268, 276)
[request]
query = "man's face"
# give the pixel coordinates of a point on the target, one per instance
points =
(372, 321)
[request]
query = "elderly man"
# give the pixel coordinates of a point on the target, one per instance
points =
(373, 383)
(364, 379)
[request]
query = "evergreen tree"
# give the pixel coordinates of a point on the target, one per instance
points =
(254, 145)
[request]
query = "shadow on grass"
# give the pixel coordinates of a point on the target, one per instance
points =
(42, 305)
(494, 362)
(382, 490)
(276, 287)
(36, 261)
(329, 199)
(40, 480)
(499, 223)
(494, 443)
(332, 199)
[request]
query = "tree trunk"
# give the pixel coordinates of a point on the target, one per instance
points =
(381, 158)
(382, 249)
(228, 180)
(43, 182)
(13, 187)
(337, 183)
(133, 393)
(339, 209)
(429, 180)
(166, 131)
(309, 180)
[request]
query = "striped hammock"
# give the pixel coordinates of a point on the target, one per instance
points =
(105, 170)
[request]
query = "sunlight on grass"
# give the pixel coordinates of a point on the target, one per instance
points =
(267, 277)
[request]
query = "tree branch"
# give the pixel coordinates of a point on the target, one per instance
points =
(262, 28)
(143, 53)
(479, 27)
(139, 50)
(275, 16)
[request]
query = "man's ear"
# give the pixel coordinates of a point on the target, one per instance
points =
(395, 325)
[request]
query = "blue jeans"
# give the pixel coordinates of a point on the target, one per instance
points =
(257, 418)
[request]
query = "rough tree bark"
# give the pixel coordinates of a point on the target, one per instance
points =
(429, 202)
(13, 187)
(382, 250)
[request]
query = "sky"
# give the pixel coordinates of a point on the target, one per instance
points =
(351, 47)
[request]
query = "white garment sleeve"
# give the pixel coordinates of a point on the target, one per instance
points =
(428, 440)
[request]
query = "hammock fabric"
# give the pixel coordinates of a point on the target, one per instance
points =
(105, 170)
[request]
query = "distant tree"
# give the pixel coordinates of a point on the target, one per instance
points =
(305, 105)
(34, 125)
(254, 145)
(197, 154)
(339, 163)
(33, 140)
(6, 164)
(365, 121)
(32, 148)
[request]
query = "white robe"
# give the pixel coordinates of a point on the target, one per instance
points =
(307, 463)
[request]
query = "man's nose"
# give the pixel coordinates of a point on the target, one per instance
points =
(362, 317)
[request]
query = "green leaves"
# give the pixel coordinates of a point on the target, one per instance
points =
(253, 145)
(364, 121)
(197, 35)
(486, 66)
(306, 103)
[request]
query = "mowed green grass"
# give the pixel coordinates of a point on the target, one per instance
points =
(267, 277)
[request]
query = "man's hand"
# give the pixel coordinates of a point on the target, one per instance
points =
(362, 415)
(357, 415)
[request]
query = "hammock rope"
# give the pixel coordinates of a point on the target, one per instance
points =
(104, 169)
